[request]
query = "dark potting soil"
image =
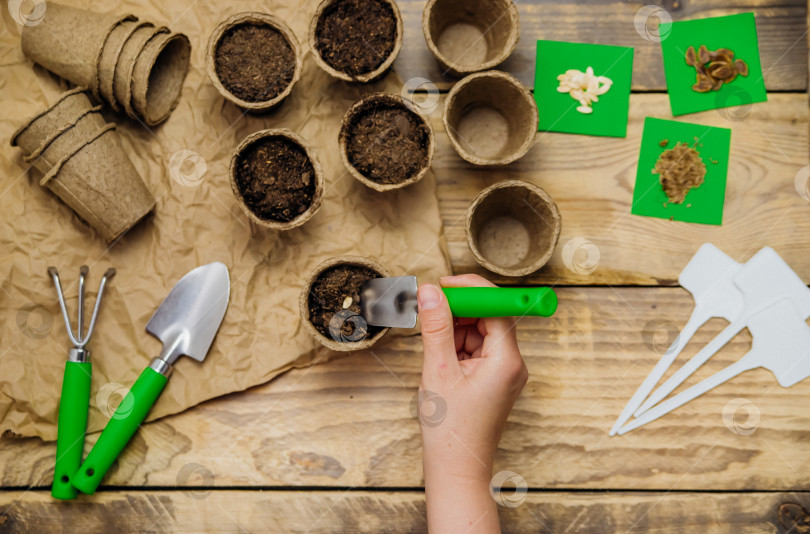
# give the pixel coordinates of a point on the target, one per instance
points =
(254, 62)
(276, 179)
(329, 293)
(356, 36)
(388, 144)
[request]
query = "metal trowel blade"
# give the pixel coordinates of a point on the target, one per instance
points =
(389, 302)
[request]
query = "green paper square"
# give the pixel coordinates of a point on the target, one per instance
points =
(738, 33)
(558, 111)
(703, 204)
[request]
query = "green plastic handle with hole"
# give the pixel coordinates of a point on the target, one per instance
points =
(501, 301)
(119, 430)
(72, 424)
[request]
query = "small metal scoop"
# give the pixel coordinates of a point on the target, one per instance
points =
(80, 338)
(392, 301)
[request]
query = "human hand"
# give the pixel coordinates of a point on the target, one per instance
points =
(474, 372)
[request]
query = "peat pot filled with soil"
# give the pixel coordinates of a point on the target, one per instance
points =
(253, 59)
(276, 179)
(356, 40)
(330, 307)
(385, 143)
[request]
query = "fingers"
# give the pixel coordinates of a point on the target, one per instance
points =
(438, 335)
(465, 280)
(500, 338)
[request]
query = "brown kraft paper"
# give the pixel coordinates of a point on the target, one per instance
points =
(197, 220)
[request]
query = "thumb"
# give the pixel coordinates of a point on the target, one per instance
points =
(437, 326)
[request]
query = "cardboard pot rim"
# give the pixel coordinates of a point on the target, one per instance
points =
(58, 166)
(130, 68)
(457, 69)
(129, 17)
(527, 98)
(29, 122)
(236, 20)
(56, 134)
(366, 76)
(303, 301)
(534, 190)
(344, 134)
(113, 103)
(313, 159)
(141, 87)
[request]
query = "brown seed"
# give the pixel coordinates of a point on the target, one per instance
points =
(691, 58)
(722, 54)
(704, 84)
(741, 67)
(703, 54)
(721, 70)
(663, 142)
(305, 178)
(718, 83)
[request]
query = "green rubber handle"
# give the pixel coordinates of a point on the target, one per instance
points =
(71, 427)
(501, 301)
(120, 428)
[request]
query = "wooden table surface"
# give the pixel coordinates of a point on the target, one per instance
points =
(336, 447)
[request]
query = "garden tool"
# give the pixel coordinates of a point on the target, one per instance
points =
(186, 323)
(391, 302)
(709, 278)
(75, 398)
(763, 280)
(781, 344)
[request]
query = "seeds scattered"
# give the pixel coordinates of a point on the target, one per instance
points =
(714, 68)
(584, 87)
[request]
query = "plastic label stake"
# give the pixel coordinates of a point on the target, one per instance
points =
(709, 278)
(781, 344)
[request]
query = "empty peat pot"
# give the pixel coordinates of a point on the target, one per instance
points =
(253, 59)
(98, 181)
(62, 114)
(356, 40)
(470, 35)
(491, 118)
(276, 179)
(385, 143)
(330, 304)
(63, 142)
(513, 227)
(158, 75)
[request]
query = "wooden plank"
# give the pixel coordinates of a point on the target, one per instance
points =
(592, 180)
(362, 511)
(350, 422)
(780, 26)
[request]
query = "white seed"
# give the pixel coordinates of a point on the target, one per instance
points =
(347, 302)
(584, 87)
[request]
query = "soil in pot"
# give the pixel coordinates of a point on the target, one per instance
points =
(356, 36)
(276, 179)
(388, 144)
(336, 289)
(254, 62)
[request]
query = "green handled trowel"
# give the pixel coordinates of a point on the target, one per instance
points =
(391, 301)
(186, 323)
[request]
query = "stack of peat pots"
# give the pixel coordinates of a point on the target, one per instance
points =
(132, 65)
(492, 120)
(84, 164)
